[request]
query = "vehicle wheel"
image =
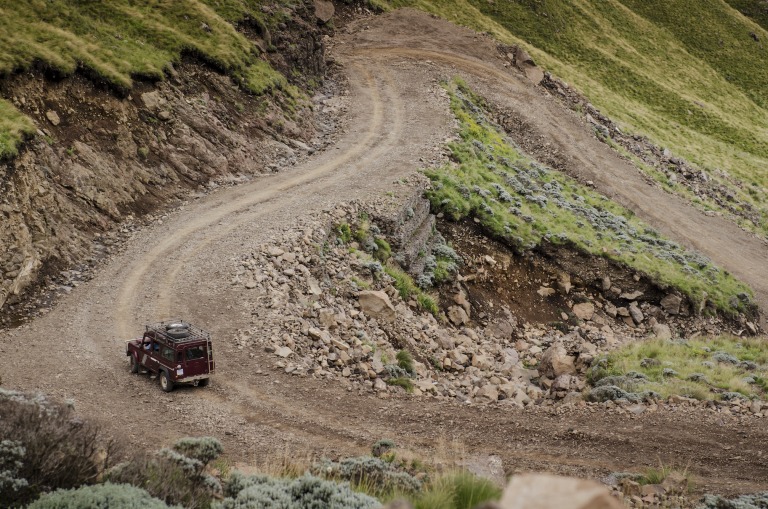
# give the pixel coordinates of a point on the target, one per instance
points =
(178, 333)
(134, 364)
(203, 382)
(165, 382)
(176, 325)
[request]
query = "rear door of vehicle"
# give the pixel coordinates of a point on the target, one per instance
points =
(195, 360)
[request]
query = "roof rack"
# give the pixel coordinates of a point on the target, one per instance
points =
(179, 332)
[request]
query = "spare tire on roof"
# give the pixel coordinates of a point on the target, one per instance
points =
(176, 325)
(178, 333)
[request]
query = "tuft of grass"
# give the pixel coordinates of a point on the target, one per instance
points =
(457, 490)
(405, 361)
(525, 204)
(689, 360)
(406, 288)
(403, 382)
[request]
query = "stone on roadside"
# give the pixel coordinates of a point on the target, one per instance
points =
(457, 316)
(662, 331)
(556, 362)
(376, 304)
(546, 491)
(546, 291)
(489, 392)
(283, 352)
(584, 310)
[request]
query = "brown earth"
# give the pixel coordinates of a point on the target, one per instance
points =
(398, 118)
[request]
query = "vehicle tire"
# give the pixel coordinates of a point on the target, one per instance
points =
(177, 333)
(203, 382)
(176, 325)
(134, 364)
(165, 381)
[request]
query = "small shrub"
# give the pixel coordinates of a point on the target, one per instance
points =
(344, 232)
(262, 492)
(375, 475)
(60, 450)
(203, 449)
(11, 456)
(107, 496)
(172, 476)
(382, 447)
(725, 358)
(757, 501)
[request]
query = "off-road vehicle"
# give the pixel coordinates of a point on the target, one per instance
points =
(176, 351)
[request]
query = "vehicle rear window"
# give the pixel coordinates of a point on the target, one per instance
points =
(196, 352)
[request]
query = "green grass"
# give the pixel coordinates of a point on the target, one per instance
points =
(119, 40)
(688, 358)
(403, 382)
(406, 288)
(456, 490)
(687, 74)
(525, 204)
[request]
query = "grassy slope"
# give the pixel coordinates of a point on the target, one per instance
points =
(526, 204)
(703, 368)
(756, 10)
(121, 39)
(688, 76)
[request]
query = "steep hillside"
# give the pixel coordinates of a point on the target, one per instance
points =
(698, 87)
(118, 41)
(109, 109)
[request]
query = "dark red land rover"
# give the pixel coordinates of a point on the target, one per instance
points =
(177, 351)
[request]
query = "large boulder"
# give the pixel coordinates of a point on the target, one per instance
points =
(556, 362)
(457, 316)
(545, 491)
(671, 304)
(324, 11)
(376, 304)
(584, 310)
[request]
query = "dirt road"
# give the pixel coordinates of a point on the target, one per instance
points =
(183, 267)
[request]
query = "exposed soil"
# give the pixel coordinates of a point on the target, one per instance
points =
(398, 118)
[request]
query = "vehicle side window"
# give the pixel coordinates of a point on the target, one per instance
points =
(168, 353)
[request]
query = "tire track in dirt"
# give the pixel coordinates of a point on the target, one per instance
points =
(238, 397)
(259, 193)
(245, 213)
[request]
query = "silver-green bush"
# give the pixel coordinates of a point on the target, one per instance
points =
(307, 492)
(100, 496)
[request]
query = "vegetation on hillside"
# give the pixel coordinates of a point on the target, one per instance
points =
(525, 204)
(696, 86)
(720, 368)
(120, 40)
